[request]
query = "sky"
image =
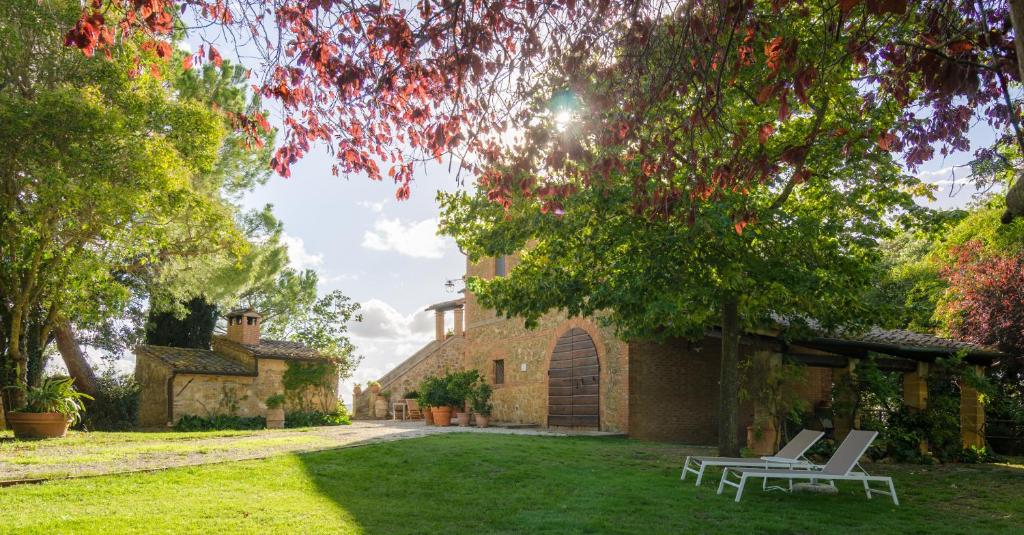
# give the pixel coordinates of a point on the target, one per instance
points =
(383, 253)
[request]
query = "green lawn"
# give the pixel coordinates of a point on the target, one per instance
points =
(105, 452)
(477, 483)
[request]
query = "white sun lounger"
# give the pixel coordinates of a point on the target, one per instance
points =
(839, 468)
(791, 456)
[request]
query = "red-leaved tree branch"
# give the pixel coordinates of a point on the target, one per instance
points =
(697, 99)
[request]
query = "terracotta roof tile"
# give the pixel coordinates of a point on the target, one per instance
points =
(913, 340)
(279, 349)
(189, 360)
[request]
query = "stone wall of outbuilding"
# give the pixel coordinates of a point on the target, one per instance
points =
(152, 376)
(210, 395)
(206, 395)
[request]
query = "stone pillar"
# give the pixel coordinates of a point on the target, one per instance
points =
(915, 393)
(972, 415)
(844, 407)
(439, 325)
(458, 322)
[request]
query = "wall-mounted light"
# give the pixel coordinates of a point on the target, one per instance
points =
(449, 285)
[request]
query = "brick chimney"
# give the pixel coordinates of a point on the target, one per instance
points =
(244, 326)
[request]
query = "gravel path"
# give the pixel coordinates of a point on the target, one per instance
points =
(52, 459)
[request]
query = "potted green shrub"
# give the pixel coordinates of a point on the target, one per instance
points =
(275, 411)
(460, 386)
(50, 409)
(424, 400)
(374, 387)
(480, 401)
(435, 396)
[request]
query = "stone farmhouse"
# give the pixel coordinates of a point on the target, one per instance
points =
(573, 372)
(234, 377)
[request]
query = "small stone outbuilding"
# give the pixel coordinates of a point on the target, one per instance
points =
(234, 377)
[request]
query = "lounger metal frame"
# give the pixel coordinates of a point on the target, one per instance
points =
(696, 464)
(828, 473)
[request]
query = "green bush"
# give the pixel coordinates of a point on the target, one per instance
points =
(275, 401)
(433, 392)
(116, 407)
(974, 455)
(480, 398)
(219, 422)
(460, 386)
(901, 430)
(317, 418)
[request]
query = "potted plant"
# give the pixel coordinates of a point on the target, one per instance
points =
(435, 398)
(428, 397)
(49, 409)
(480, 400)
(460, 387)
(275, 411)
(357, 390)
(374, 387)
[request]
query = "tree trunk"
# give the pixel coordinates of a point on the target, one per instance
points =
(78, 367)
(18, 360)
(1015, 195)
(728, 386)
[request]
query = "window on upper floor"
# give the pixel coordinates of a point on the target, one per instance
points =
(499, 372)
(499, 266)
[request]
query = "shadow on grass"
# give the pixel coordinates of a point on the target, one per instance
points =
(474, 483)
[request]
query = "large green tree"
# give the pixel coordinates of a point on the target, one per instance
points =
(772, 216)
(100, 159)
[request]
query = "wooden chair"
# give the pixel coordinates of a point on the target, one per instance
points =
(413, 408)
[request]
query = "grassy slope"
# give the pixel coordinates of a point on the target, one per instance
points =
(493, 483)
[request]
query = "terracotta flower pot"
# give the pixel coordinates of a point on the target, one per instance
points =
(357, 391)
(462, 418)
(375, 389)
(482, 420)
(38, 424)
(275, 418)
(428, 416)
(442, 416)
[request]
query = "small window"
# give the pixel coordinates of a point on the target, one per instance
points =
(250, 320)
(499, 372)
(499, 266)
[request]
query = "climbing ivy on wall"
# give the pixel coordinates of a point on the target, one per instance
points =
(306, 383)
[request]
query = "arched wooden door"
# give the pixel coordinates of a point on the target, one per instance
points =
(574, 381)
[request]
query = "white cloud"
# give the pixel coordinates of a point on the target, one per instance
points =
(946, 176)
(298, 257)
(382, 321)
(385, 338)
(375, 207)
(415, 239)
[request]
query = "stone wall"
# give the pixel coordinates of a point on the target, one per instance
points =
(208, 395)
(523, 398)
(152, 377)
